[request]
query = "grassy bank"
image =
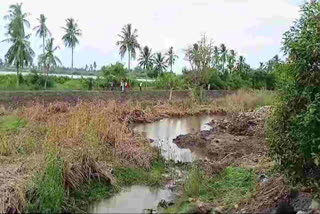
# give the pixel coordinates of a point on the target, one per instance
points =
(51, 153)
(232, 186)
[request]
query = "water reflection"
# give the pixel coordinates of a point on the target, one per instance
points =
(163, 133)
(132, 200)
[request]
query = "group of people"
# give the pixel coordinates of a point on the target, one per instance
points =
(124, 86)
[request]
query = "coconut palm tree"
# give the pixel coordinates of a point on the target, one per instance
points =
(223, 52)
(216, 57)
(70, 38)
(171, 57)
(241, 63)
(146, 58)
(160, 63)
(95, 65)
(42, 30)
(128, 42)
(49, 59)
(17, 21)
(20, 53)
(231, 60)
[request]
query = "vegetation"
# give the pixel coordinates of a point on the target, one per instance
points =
(42, 30)
(171, 57)
(293, 134)
(71, 37)
(20, 53)
(230, 187)
(128, 42)
(48, 59)
(62, 152)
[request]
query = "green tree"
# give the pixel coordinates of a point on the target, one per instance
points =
(146, 58)
(49, 59)
(216, 58)
(128, 42)
(17, 21)
(95, 65)
(160, 63)
(72, 32)
(42, 30)
(168, 81)
(293, 136)
(171, 57)
(114, 73)
(200, 54)
(19, 53)
(240, 64)
(231, 58)
(223, 57)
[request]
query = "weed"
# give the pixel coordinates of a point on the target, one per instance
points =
(243, 101)
(150, 177)
(11, 123)
(80, 199)
(50, 187)
(230, 187)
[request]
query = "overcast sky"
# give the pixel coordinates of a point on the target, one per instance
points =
(253, 28)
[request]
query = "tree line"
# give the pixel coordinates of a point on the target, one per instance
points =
(209, 64)
(20, 53)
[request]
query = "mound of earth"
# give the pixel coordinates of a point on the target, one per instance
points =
(237, 139)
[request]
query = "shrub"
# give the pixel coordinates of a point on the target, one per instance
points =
(293, 131)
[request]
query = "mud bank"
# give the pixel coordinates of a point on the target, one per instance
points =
(238, 140)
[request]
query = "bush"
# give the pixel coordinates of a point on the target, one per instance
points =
(293, 131)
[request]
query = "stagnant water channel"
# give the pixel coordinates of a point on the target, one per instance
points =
(136, 199)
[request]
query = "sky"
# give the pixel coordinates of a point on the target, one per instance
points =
(253, 28)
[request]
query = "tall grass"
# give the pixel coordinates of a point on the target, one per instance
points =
(90, 137)
(50, 194)
(245, 100)
(229, 188)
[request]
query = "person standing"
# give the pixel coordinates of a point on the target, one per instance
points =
(111, 84)
(140, 85)
(126, 85)
(122, 86)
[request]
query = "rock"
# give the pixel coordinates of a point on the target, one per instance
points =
(217, 210)
(263, 178)
(304, 212)
(163, 204)
(236, 206)
(190, 199)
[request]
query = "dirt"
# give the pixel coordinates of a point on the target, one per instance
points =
(238, 140)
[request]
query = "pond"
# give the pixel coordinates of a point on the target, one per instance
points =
(164, 131)
(134, 199)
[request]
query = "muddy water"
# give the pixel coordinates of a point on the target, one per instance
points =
(132, 200)
(163, 133)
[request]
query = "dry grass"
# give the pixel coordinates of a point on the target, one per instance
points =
(90, 137)
(244, 101)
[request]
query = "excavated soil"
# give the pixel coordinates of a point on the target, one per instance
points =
(238, 140)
